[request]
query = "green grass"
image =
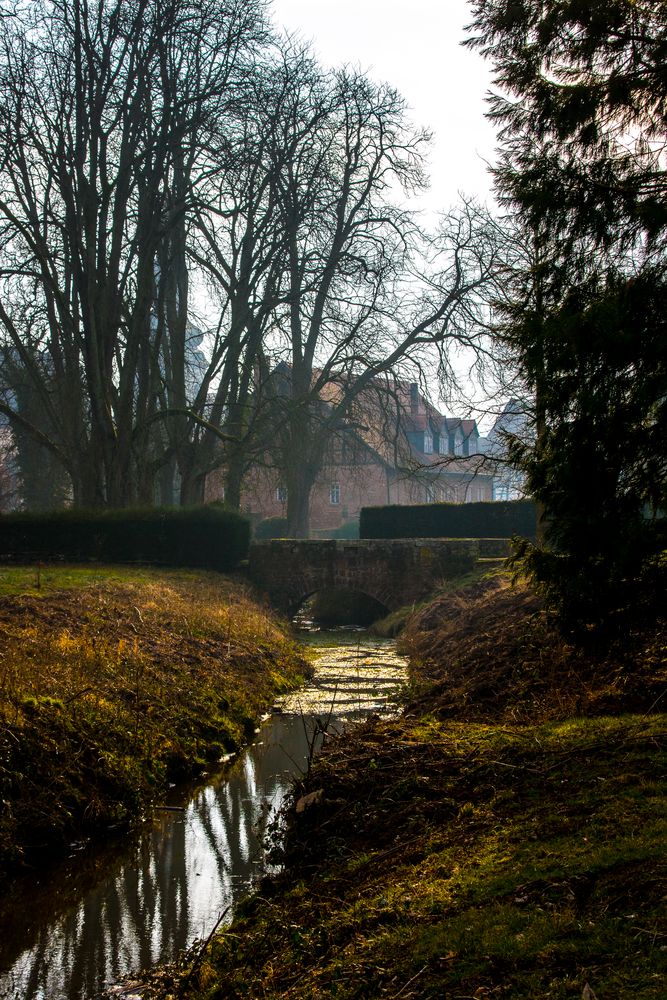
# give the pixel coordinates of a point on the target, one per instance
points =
(470, 861)
(504, 839)
(40, 580)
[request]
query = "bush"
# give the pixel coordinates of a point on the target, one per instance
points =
(349, 529)
(450, 520)
(271, 527)
(204, 537)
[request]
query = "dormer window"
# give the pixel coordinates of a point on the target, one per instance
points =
(428, 442)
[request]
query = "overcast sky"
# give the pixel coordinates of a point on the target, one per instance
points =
(414, 45)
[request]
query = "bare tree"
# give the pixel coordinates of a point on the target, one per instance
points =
(365, 289)
(104, 113)
(149, 145)
(237, 242)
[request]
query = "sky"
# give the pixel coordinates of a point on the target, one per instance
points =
(414, 45)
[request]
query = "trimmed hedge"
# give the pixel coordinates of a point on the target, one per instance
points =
(500, 519)
(207, 537)
(271, 527)
(347, 530)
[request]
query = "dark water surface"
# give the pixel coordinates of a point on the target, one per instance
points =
(106, 912)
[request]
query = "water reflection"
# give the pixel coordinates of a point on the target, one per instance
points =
(103, 915)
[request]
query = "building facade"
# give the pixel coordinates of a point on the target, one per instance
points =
(417, 456)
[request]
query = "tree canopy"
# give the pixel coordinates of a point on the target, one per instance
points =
(581, 110)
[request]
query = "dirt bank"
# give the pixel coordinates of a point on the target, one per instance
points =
(114, 683)
(490, 653)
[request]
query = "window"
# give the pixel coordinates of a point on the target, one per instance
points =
(428, 442)
(281, 494)
(334, 493)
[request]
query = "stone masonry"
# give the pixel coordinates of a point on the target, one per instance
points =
(394, 572)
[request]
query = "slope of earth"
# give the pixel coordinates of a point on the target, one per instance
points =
(490, 652)
(505, 838)
(115, 682)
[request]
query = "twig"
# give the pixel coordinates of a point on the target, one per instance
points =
(515, 767)
(650, 709)
(78, 694)
(200, 954)
(588, 993)
(404, 988)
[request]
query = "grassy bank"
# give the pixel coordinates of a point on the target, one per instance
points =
(456, 860)
(505, 838)
(115, 682)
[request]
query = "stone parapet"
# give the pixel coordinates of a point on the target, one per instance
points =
(394, 572)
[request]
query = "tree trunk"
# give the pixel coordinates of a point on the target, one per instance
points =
(192, 485)
(234, 480)
(300, 479)
(166, 480)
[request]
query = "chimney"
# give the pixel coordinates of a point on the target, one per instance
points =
(414, 398)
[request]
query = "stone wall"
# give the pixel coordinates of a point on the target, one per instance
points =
(394, 572)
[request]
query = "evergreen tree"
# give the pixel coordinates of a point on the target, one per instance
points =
(582, 113)
(583, 124)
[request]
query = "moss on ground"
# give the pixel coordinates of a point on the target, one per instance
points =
(462, 852)
(115, 682)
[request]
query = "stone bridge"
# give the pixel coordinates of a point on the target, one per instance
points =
(394, 572)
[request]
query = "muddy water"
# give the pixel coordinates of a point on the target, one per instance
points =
(107, 912)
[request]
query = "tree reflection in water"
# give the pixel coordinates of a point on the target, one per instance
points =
(99, 918)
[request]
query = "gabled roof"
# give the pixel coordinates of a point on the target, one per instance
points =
(468, 427)
(418, 422)
(386, 417)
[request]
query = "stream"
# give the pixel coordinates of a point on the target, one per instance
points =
(106, 912)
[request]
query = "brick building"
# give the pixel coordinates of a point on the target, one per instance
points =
(406, 453)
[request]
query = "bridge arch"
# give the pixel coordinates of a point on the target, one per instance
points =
(339, 606)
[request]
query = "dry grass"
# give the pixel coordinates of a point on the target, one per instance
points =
(462, 861)
(491, 653)
(92, 642)
(113, 686)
